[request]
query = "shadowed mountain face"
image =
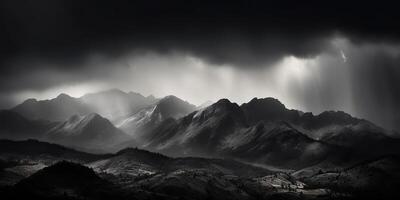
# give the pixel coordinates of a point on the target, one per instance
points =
(198, 133)
(57, 109)
(47, 152)
(113, 104)
(315, 126)
(14, 126)
(90, 132)
(264, 131)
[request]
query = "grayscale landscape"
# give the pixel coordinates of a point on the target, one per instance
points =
(199, 100)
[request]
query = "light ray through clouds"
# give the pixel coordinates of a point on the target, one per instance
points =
(328, 81)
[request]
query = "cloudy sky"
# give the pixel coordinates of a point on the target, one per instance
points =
(313, 56)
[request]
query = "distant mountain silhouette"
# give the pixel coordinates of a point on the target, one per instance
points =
(113, 104)
(37, 150)
(15, 126)
(57, 109)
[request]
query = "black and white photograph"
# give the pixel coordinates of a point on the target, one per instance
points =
(199, 100)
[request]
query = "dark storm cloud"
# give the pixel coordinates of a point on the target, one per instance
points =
(241, 33)
(44, 43)
(245, 34)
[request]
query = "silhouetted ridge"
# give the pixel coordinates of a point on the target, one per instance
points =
(64, 96)
(61, 174)
(35, 148)
(64, 179)
(267, 109)
(91, 131)
(136, 152)
(172, 106)
(15, 126)
(220, 108)
(114, 104)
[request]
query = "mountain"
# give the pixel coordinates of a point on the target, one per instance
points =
(35, 150)
(113, 104)
(222, 130)
(205, 104)
(57, 109)
(199, 133)
(277, 144)
(148, 118)
(263, 131)
(91, 132)
(136, 162)
(14, 126)
(332, 127)
(315, 126)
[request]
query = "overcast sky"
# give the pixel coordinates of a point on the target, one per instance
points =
(312, 56)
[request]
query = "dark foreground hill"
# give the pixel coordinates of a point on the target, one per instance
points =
(140, 174)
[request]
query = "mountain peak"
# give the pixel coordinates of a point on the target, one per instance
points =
(225, 104)
(172, 106)
(94, 116)
(170, 98)
(266, 109)
(90, 131)
(221, 107)
(269, 101)
(30, 100)
(337, 117)
(63, 96)
(223, 101)
(111, 92)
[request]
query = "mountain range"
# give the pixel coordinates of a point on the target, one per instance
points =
(113, 104)
(149, 145)
(262, 131)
